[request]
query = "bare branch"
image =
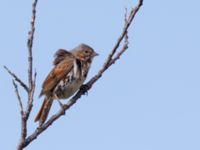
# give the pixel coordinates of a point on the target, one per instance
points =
(30, 101)
(42, 128)
(129, 21)
(125, 23)
(30, 60)
(109, 61)
(123, 49)
(125, 46)
(30, 44)
(18, 98)
(22, 141)
(17, 79)
(23, 132)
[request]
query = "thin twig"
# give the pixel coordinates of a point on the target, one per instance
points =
(30, 102)
(129, 21)
(30, 44)
(30, 60)
(125, 23)
(18, 98)
(125, 46)
(89, 84)
(17, 79)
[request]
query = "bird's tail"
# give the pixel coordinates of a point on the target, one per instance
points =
(44, 110)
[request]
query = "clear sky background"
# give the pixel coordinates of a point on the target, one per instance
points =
(149, 100)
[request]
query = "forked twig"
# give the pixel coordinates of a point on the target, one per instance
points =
(18, 98)
(31, 81)
(125, 46)
(30, 99)
(17, 79)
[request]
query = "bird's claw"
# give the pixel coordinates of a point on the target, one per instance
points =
(85, 89)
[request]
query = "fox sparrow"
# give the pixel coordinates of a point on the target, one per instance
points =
(69, 72)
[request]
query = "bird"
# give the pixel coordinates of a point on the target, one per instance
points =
(65, 79)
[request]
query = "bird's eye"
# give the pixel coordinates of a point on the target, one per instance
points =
(86, 51)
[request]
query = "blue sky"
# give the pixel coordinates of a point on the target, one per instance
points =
(149, 100)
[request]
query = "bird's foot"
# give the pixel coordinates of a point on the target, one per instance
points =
(85, 89)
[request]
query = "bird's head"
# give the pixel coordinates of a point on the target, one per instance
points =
(84, 52)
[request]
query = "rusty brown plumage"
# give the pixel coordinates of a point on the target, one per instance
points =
(58, 72)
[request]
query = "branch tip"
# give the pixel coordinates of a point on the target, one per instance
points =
(18, 97)
(17, 79)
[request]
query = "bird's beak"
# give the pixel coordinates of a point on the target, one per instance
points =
(95, 54)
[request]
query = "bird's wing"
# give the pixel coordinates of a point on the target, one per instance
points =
(58, 72)
(60, 56)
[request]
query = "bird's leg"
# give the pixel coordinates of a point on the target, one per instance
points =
(61, 106)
